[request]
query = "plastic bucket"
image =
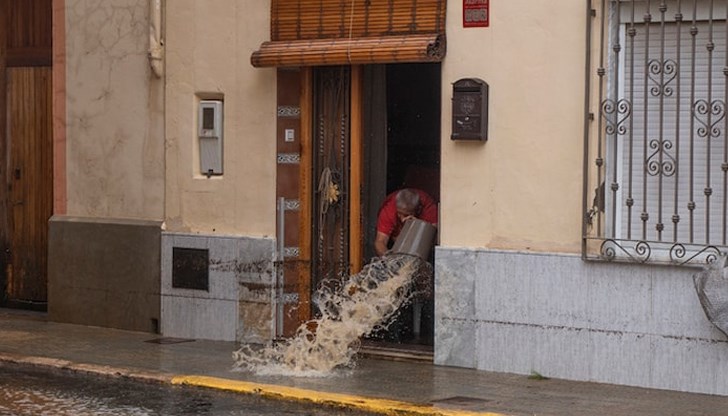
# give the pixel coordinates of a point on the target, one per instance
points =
(416, 239)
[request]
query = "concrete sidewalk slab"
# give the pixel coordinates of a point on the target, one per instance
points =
(374, 385)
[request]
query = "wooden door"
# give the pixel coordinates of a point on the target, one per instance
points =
(26, 148)
(323, 226)
(30, 184)
(331, 187)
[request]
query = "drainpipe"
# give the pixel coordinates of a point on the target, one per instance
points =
(156, 44)
(281, 254)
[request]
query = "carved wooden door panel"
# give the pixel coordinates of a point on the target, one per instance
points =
(331, 159)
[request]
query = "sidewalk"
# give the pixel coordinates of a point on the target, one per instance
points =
(380, 386)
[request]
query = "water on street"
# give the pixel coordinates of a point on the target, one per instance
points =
(364, 303)
(29, 392)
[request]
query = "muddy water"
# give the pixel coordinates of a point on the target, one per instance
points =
(362, 304)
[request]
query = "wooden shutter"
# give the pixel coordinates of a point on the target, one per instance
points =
(335, 32)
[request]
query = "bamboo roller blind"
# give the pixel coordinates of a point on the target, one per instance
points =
(335, 32)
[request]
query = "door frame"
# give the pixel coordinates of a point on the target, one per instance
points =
(4, 235)
(359, 91)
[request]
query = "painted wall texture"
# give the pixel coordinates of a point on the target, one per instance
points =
(507, 270)
(208, 57)
(522, 189)
(114, 118)
(532, 162)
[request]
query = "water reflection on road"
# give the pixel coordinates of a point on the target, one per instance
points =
(31, 391)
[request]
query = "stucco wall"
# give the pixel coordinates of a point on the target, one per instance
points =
(522, 189)
(208, 56)
(115, 132)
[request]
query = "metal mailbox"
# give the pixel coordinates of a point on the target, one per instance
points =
(470, 110)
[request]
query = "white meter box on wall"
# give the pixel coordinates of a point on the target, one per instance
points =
(209, 126)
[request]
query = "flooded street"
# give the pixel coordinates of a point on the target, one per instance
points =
(363, 304)
(29, 392)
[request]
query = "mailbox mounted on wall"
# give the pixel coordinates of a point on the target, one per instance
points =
(470, 110)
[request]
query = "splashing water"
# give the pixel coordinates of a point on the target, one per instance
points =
(364, 303)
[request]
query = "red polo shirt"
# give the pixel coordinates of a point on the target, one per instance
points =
(388, 222)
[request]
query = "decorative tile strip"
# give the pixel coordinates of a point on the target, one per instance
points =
(289, 111)
(291, 252)
(289, 298)
(287, 158)
(292, 205)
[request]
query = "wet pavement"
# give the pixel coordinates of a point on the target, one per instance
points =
(36, 391)
(374, 385)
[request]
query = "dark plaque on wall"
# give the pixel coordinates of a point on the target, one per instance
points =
(470, 110)
(190, 268)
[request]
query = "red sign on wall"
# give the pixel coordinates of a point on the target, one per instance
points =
(476, 13)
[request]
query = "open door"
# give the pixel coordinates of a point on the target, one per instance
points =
(331, 173)
(401, 149)
(358, 116)
(365, 131)
(318, 179)
(394, 145)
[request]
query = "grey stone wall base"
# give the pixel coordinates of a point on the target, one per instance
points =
(617, 323)
(237, 304)
(104, 272)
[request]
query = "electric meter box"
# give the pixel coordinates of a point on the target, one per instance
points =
(209, 132)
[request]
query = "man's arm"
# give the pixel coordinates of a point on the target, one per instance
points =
(380, 243)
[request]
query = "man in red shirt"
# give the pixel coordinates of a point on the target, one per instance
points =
(398, 207)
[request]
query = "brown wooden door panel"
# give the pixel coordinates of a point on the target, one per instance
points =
(326, 227)
(29, 22)
(30, 180)
(331, 174)
(25, 147)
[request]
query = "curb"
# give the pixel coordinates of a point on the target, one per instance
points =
(101, 370)
(270, 391)
(381, 406)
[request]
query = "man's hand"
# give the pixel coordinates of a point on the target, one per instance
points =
(380, 243)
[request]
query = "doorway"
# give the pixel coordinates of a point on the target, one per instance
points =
(373, 129)
(401, 149)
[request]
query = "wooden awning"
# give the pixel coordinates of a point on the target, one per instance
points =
(340, 32)
(363, 50)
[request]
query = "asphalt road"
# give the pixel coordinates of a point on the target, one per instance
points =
(33, 391)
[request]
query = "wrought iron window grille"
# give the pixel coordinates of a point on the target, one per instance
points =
(656, 147)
